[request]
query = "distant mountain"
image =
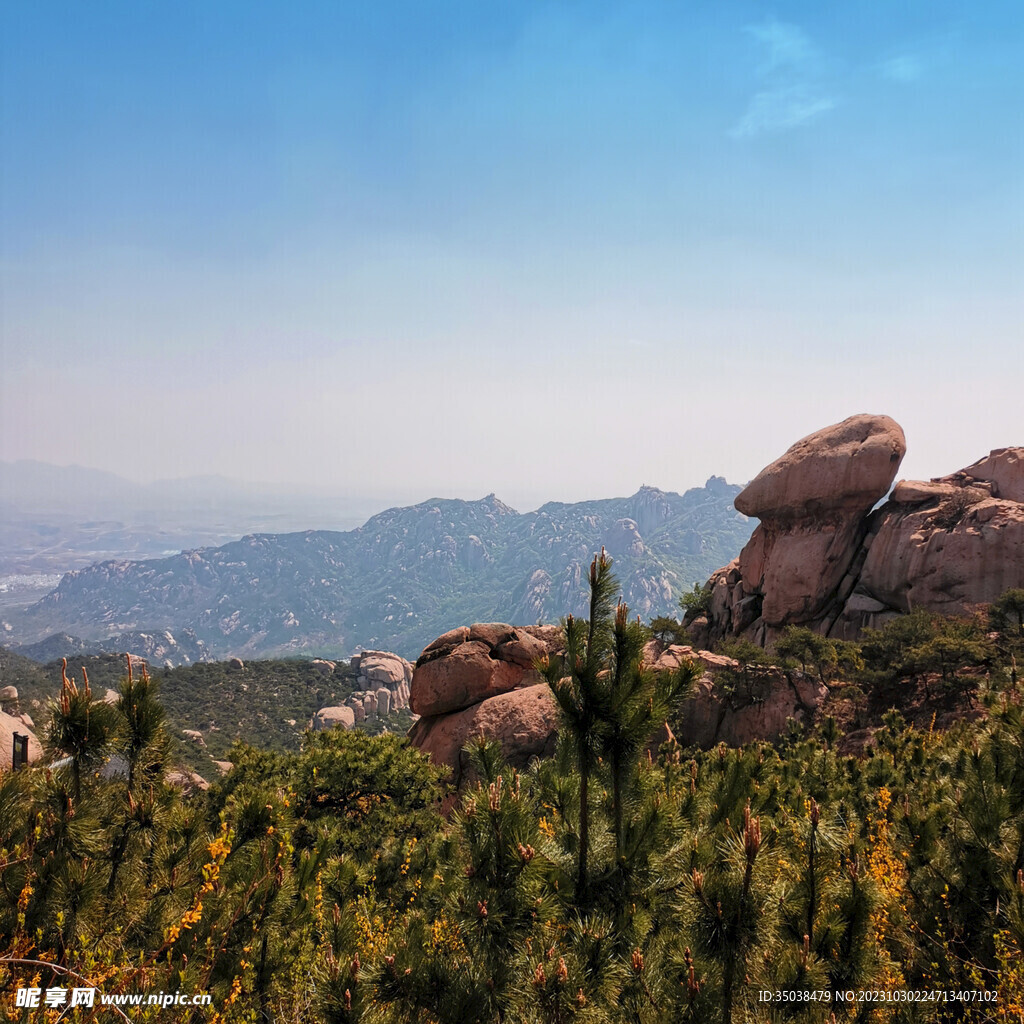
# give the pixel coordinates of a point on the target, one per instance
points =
(158, 647)
(404, 577)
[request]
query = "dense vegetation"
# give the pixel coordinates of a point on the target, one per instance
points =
(603, 885)
(266, 702)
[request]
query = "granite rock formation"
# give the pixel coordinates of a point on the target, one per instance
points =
(822, 558)
(758, 707)
(479, 680)
(382, 687)
(453, 675)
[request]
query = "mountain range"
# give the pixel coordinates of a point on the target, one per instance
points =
(401, 579)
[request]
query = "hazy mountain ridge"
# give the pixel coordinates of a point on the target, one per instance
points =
(56, 518)
(404, 577)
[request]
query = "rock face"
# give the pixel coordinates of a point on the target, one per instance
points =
(524, 718)
(468, 665)
(523, 721)
(821, 558)
(382, 687)
(383, 670)
(948, 551)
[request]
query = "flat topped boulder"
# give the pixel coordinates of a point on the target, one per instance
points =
(384, 668)
(845, 467)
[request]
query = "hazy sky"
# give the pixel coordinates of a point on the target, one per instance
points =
(547, 250)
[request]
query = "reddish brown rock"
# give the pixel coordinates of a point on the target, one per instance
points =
(822, 558)
(758, 709)
(921, 558)
(383, 668)
(812, 502)
(523, 721)
(917, 492)
(466, 666)
(1003, 468)
(848, 466)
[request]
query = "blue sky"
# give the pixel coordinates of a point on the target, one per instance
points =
(548, 250)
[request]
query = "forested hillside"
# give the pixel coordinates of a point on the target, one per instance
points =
(403, 578)
(601, 886)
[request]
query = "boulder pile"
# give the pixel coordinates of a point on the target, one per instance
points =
(822, 558)
(383, 686)
(480, 680)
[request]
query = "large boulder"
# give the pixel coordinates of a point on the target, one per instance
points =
(822, 558)
(948, 560)
(382, 668)
(329, 718)
(847, 466)
(812, 502)
(468, 665)
(524, 722)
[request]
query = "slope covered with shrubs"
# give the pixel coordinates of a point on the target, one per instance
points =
(603, 885)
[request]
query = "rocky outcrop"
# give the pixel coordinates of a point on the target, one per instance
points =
(470, 664)
(382, 687)
(480, 680)
(821, 558)
(524, 718)
(947, 549)
(523, 721)
(383, 670)
(729, 707)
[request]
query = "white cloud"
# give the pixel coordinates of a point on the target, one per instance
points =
(904, 68)
(786, 46)
(791, 73)
(779, 109)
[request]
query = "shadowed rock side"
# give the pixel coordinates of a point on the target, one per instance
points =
(478, 681)
(821, 558)
(757, 706)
